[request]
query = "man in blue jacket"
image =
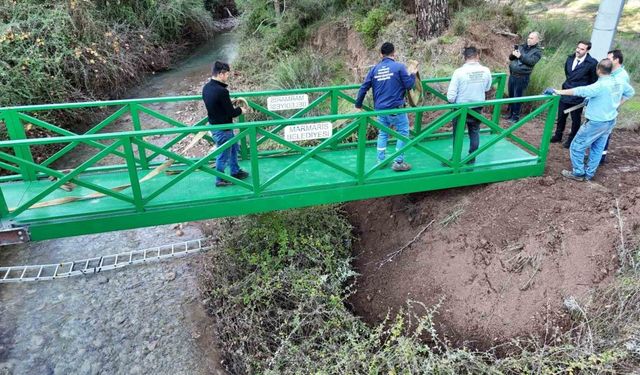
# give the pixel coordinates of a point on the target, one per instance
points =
(220, 110)
(579, 70)
(605, 96)
(389, 80)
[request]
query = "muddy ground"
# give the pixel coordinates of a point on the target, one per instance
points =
(501, 258)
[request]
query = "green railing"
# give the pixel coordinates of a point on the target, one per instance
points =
(350, 132)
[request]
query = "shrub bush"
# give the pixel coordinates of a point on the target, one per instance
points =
(371, 25)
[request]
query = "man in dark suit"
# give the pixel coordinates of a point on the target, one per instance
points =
(579, 70)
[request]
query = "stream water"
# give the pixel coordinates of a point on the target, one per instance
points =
(141, 319)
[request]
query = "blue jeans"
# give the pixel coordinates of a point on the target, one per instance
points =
(593, 136)
(229, 155)
(401, 124)
(517, 86)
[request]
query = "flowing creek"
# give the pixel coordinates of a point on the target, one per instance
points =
(140, 319)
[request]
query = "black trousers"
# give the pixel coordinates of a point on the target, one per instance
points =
(562, 120)
(517, 85)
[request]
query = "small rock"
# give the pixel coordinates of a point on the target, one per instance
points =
(152, 345)
(547, 181)
(604, 270)
(37, 341)
(102, 279)
(170, 276)
(179, 233)
(368, 298)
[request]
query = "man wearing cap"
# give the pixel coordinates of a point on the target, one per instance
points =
(389, 80)
(605, 96)
(620, 74)
(220, 110)
(469, 84)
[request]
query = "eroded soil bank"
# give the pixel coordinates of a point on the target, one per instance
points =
(501, 257)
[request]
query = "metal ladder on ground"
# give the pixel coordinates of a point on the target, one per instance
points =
(16, 274)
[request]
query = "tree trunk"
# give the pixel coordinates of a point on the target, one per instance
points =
(276, 5)
(432, 18)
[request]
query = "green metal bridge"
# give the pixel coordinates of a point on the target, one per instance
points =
(124, 179)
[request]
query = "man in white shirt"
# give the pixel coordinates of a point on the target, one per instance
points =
(469, 84)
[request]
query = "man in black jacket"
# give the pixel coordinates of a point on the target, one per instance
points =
(579, 70)
(523, 58)
(220, 110)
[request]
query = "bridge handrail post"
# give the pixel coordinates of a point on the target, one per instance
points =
(362, 148)
(497, 109)
(135, 119)
(4, 209)
(417, 125)
(133, 174)
(16, 131)
(458, 134)
(548, 128)
(255, 166)
(244, 149)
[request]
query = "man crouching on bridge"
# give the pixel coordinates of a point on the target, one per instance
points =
(605, 96)
(220, 110)
(390, 80)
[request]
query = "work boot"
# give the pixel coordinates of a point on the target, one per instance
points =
(241, 175)
(568, 174)
(223, 183)
(400, 167)
(556, 138)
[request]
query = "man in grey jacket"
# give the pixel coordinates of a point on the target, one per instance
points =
(523, 58)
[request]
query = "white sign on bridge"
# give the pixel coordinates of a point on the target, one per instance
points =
(282, 103)
(304, 132)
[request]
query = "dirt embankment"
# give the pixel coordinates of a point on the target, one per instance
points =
(501, 257)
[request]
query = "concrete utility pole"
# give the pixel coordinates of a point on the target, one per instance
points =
(604, 29)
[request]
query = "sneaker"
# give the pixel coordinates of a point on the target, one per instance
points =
(513, 120)
(603, 160)
(568, 174)
(223, 183)
(556, 139)
(241, 175)
(400, 167)
(508, 116)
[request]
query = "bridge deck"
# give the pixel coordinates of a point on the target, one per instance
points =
(198, 188)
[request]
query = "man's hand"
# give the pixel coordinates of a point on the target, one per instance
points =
(516, 53)
(549, 91)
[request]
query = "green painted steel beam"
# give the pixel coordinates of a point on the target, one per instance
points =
(251, 205)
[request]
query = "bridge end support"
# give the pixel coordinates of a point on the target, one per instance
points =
(13, 235)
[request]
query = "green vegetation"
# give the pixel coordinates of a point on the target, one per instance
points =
(371, 25)
(60, 51)
(278, 288)
(501, 17)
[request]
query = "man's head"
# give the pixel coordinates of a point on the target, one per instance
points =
(616, 58)
(533, 38)
(470, 54)
(605, 66)
(582, 48)
(387, 49)
(221, 71)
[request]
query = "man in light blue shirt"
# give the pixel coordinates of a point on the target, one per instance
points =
(605, 96)
(469, 84)
(620, 74)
